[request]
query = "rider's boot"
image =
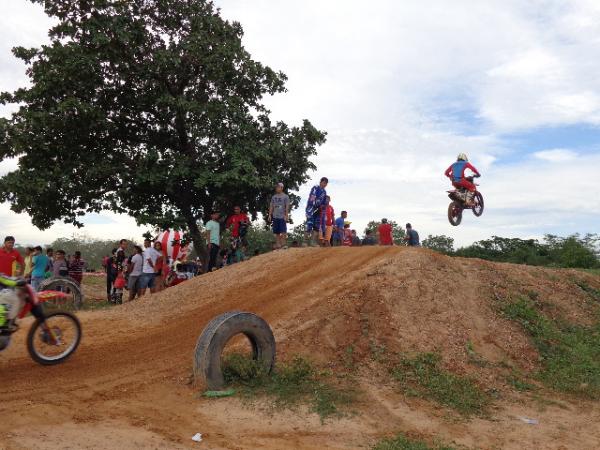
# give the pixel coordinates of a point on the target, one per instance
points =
(469, 201)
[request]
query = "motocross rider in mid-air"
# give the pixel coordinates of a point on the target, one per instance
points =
(456, 173)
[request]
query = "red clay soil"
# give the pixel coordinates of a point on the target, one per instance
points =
(128, 385)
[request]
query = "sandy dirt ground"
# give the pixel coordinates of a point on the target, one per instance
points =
(129, 384)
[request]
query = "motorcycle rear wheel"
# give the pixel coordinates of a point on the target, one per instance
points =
(38, 337)
(455, 210)
(478, 208)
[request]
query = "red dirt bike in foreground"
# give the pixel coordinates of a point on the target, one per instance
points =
(53, 337)
(459, 199)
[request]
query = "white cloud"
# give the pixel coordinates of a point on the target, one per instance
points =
(381, 78)
(556, 155)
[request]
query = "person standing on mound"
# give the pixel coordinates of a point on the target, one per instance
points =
(316, 198)
(385, 233)
(279, 213)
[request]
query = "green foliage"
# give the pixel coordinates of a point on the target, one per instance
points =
(290, 385)
(298, 234)
(443, 244)
(570, 353)
(398, 233)
(591, 291)
(92, 250)
(572, 251)
(151, 108)
(516, 381)
(402, 442)
(423, 376)
(260, 238)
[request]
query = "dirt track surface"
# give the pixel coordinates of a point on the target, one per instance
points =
(128, 385)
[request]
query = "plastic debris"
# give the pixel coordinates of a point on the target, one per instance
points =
(219, 394)
(529, 421)
(197, 437)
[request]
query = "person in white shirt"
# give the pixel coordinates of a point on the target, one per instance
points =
(150, 256)
(135, 272)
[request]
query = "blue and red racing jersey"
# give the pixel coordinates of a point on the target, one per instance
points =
(315, 200)
(457, 170)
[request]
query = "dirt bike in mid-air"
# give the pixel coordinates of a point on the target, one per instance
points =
(459, 203)
(53, 337)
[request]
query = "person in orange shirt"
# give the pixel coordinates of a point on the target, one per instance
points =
(9, 258)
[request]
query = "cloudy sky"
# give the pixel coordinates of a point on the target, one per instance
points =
(401, 87)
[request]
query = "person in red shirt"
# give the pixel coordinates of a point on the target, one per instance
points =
(8, 257)
(326, 220)
(235, 220)
(385, 233)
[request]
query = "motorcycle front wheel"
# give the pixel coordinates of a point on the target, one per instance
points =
(54, 340)
(478, 207)
(455, 213)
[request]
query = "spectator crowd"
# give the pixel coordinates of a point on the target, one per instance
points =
(149, 268)
(38, 265)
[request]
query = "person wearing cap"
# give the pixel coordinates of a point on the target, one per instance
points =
(316, 198)
(213, 239)
(412, 237)
(11, 261)
(347, 240)
(279, 213)
(384, 231)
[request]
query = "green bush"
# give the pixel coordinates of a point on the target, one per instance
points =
(570, 353)
(423, 376)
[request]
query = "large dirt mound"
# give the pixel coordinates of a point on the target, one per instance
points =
(128, 385)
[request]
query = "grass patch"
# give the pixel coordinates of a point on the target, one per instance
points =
(422, 376)
(570, 353)
(401, 442)
(591, 291)
(518, 383)
(290, 385)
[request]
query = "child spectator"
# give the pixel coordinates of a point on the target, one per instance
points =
(326, 221)
(347, 237)
(355, 239)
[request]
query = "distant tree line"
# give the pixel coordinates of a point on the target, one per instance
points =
(573, 251)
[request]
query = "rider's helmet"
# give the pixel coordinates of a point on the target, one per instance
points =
(462, 157)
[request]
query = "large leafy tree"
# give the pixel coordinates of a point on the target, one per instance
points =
(147, 107)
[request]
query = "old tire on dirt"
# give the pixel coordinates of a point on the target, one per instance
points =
(455, 213)
(66, 283)
(214, 337)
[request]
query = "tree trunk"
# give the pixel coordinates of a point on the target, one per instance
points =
(198, 240)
